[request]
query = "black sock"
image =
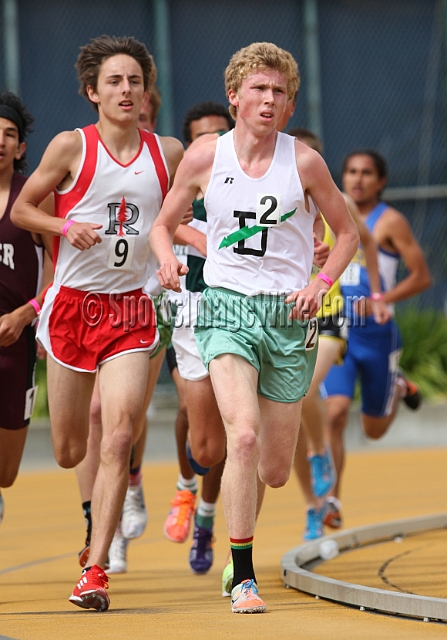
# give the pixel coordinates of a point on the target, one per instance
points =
(132, 456)
(86, 508)
(243, 561)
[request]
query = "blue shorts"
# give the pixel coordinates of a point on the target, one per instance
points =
(373, 355)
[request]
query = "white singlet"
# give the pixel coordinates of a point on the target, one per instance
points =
(125, 200)
(259, 232)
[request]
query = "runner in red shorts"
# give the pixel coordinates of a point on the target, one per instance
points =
(109, 181)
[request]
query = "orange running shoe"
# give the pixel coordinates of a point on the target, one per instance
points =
(178, 522)
(91, 590)
(245, 599)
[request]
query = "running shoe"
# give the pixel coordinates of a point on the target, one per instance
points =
(314, 524)
(332, 516)
(227, 578)
(83, 555)
(245, 599)
(195, 466)
(413, 396)
(134, 516)
(118, 553)
(178, 522)
(322, 472)
(91, 590)
(2, 507)
(201, 555)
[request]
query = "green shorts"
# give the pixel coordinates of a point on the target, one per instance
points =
(257, 328)
(164, 320)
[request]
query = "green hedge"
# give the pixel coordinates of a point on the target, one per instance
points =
(424, 357)
(41, 406)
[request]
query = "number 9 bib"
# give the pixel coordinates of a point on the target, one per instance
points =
(121, 253)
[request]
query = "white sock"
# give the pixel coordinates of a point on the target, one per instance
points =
(184, 484)
(206, 509)
(335, 501)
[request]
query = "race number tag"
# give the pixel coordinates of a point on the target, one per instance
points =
(121, 253)
(268, 210)
(351, 275)
(30, 400)
(312, 335)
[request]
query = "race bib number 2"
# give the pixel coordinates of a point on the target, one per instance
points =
(268, 209)
(312, 335)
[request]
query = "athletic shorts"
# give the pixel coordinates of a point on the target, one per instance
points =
(189, 362)
(373, 355)
(83, 329)
(171, 359)
(164, 321)
(17, 388)
(334, 327)
(257, 328)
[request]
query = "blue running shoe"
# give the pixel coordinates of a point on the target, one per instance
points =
(195, 466)
(314, 524)
(323, 473)
(201, 555)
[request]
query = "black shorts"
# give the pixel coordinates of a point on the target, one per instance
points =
(17, 390)
(335, 326)
(171, 359)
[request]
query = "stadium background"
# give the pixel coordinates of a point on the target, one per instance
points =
(373, 75)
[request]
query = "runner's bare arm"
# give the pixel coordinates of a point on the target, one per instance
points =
(318, 183)
(192, 174)
(58, 167)
(173, 153)
(189, 235)
(403, 242)
(378, 308)
(12, 324)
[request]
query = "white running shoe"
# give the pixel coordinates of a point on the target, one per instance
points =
(134, 517)
(118, 553)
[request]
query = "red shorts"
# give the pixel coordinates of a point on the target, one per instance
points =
(83, 329)
(17, 390)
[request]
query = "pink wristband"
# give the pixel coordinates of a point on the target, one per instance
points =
(325, 279)
(66, 227)
(376, 296)
(35, 305)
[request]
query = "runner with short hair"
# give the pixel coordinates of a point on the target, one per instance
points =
(109, 181)
(255, 330)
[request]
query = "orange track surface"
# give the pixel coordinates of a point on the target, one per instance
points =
(160, 598)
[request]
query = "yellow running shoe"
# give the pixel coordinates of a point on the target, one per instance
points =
(227, 578)
(245, 599)
(178, 522)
